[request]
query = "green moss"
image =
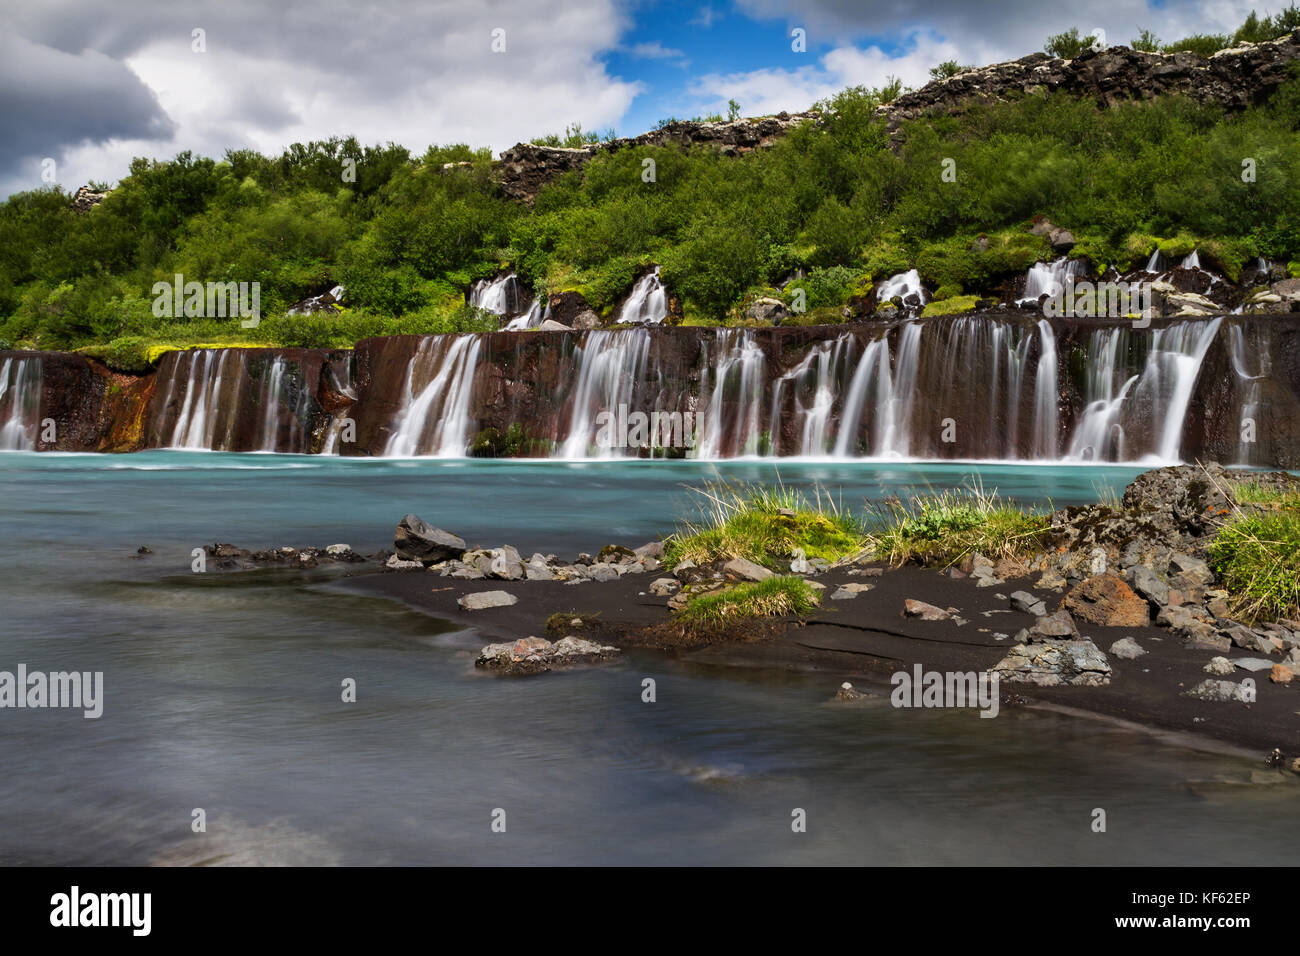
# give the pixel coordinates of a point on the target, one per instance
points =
(775, 597)
(1293, 269)
(1177, 246)
(952, 306)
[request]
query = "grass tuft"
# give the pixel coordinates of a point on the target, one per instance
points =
(775, 597)
(1257, 557)
(764, 525)
(945, 527)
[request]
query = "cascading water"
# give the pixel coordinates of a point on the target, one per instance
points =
(811, 387)
(435, 417)
(196, 424)
(648, 302)
(905, 286)
(610, 367)
(531, 319)
(1049, 278)
(1250, 383)
(20, 399)
(1045, 395)
(1099, 434)
(733, 417)
(212, 394)
(501, 296)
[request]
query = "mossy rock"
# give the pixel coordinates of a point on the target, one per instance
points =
(1177, 246)
(951, 306)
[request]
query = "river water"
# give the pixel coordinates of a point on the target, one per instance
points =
(222, 693)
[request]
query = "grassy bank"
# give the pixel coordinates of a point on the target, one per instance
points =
(1257, 554)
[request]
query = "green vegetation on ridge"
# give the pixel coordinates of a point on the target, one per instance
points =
(407, 235)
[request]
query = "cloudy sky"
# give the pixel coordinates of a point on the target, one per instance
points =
(90, 84)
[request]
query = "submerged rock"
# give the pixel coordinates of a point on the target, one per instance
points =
(535, 655)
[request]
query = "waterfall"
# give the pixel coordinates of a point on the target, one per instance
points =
(1192, 260)
(196, 424)
(435, 416)
(871, 387)
(733, 416)
(610, 366)
(1045, 395)
(531, 319)
(1250, 384)
(502, 295)
(905, 285)
(1051, 279)
(271, 406)
(648, 301)
(897, 440)
(232, 400)
(1099, 434)
(1156, 264)
(813, 387)
(20, 401)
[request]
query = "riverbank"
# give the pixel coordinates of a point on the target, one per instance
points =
(1123, 620)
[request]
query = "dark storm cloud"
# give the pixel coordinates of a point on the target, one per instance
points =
(51, 99)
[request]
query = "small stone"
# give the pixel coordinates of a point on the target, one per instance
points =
(482, 600)
(846, 692)
(926, 612)
(1028, 603)
(1219, 666)
(1281, 674)
(746, 570)
(663, 587)
(1218, 690)
(1127, 649)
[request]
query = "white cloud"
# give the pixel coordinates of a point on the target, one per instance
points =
(414, 73)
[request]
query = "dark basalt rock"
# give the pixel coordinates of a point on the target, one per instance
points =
(417, 540)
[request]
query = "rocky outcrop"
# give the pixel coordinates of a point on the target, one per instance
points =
(417, 540)
(86, 199)
(1234, 78)
(525, 168)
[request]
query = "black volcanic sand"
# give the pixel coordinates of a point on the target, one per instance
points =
(865, 639)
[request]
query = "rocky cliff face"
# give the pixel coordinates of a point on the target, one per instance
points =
(525, 168)
(1010, 386)
(1233, 78)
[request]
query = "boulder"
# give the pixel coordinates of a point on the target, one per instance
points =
(1281, 674)
(1076, 663)
(767, 310)
(417, 540)
(1105, 600)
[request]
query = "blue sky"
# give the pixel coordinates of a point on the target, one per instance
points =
(86, 85)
